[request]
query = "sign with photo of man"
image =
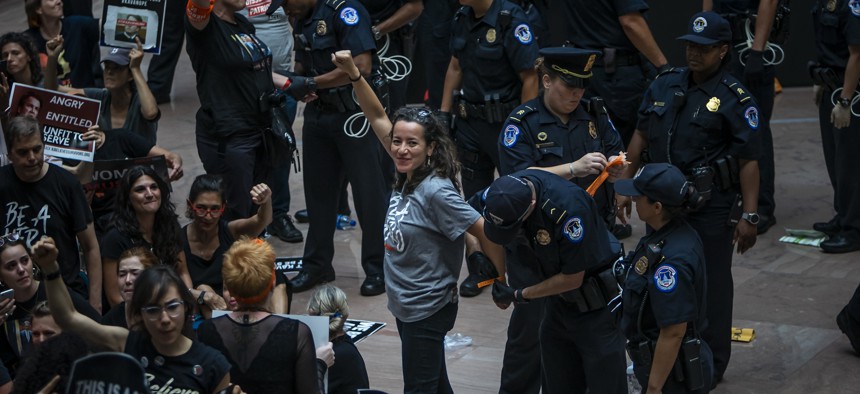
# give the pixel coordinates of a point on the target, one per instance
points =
(64, 119)
(125, 21)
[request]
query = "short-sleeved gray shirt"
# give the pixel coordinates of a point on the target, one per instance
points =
(424, 244)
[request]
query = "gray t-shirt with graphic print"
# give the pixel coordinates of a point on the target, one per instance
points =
(424, 244)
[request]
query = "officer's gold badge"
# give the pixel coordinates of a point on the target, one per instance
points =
(831, 5)
(592, 130)
(322, 29)
(542, 237)
(713, 104)
(491, 35)
(641, 265)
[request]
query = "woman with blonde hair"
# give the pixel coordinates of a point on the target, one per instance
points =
(254, 340)
(348, 373)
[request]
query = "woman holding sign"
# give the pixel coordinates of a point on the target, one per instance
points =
(160, 308)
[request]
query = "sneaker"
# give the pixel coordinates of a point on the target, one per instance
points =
(283, 228)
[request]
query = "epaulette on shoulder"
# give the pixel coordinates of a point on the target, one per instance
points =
(336, 4)
(738, 89)
(521, 113)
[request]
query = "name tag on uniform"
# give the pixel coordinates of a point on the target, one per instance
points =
(659, 103)
(545, 145)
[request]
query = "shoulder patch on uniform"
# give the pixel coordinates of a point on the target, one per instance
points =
(751, 114)
(523, 34)
(511, 135)
(854, 5)
(665, 278)
(349, 16)
(573, 230)
(737, 89)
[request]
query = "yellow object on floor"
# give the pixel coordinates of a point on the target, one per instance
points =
(743, 334)
(777, 87)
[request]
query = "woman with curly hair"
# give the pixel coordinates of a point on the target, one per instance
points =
(424, 232)
(144, 216)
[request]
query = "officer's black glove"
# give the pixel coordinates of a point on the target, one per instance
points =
(503, 294)
(301, 87)
(486, 269)
(666, 68)
(754, 71)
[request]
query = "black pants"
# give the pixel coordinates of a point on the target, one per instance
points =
(401, 43)
(434, 33)
(763, 95)
(163, 67)
(840, 148)
(711, 225)
(478, 151)
(329, 156)
(854, 305)
(673, 386)
(622, 92)
(521, 365)
(423, 352)
(581, 352)
(240, 160)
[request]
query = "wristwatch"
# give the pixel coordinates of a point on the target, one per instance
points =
(844, 102)
(751, 217)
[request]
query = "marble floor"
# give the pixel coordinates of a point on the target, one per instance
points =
(790, 294)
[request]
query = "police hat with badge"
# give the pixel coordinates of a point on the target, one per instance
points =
(508, 202)
(708, 28)
(572, 65)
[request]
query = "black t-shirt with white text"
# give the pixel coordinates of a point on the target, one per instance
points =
(199, 370)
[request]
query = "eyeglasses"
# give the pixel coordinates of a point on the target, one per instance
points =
(202, 211)
(11, 237)
(153, 313)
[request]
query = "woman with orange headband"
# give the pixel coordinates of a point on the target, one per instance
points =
(255, 341)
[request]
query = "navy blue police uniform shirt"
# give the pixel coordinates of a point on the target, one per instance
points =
(594, 24)
(707, 122)
(675, 284)
(533, 136)
(735, 6)
(381, 10)
(568, 239)
(332, 26)
(836, 27)
(492, 56)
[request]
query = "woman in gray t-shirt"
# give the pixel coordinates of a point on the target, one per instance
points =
(424, 233)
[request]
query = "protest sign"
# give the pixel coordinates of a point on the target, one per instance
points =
(125, 20)
(358, 330)
(285, 265)
(64, 119)
(107, 173)
(107, 373)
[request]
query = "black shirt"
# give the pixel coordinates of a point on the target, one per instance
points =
(348, 374)
(334, 26)
(492, 55)
(134, 120)
(381, 10)
(208, 271)
(835, 31)
(119, 144)
(233, 69)
(735, 6)
(199, 370)
(593, 24)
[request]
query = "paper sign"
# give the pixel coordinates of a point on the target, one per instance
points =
(125, 20)
(108, 173)
(64, 119)
(107, 373)
(358, 330)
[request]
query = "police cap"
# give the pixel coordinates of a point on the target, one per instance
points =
(506, 203)
(660, 182)
(573, 65)
(708, 28)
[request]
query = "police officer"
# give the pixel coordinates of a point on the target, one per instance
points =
(703, 121)
(493, 53)
(434, 33)
(837, 38)
(664, 286)
(392, 26)
(334, 147)
(581, 347)
(556, 133)
(750, 65)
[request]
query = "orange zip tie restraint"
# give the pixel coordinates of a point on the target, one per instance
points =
(197, 13)
(488, 282)
(619, 160)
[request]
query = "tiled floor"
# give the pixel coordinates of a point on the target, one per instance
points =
(789, 294)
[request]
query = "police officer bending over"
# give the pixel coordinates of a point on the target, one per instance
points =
(703, 121)
(581, 346)
(664, 286)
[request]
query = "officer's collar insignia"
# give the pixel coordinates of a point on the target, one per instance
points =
(592, 131)
(741, 91)
(641, 265)
(590, 63)
(491, 35)
(322, 29)
(831, 5)
(542, 237)
(542, 136)
(521, 112)
(713, 104)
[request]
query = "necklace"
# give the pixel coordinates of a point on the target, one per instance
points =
(248, 311)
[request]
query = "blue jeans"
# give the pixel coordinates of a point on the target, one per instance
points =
(423, 352)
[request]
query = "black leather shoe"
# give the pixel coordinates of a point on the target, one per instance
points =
(621, 231)
(849, 327)
(840, 244)
(830, 228)
(306, 280)
(302, 216)
(283, 228)
(373, 285)
(764, 224)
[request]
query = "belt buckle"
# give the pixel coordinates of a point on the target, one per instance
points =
(462, 108)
